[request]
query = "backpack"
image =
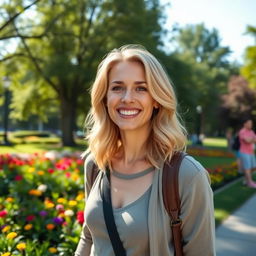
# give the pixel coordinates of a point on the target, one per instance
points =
(236, 143)
(171, 199)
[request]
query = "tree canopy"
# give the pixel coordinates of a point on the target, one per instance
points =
(249, 68)
(60, 44)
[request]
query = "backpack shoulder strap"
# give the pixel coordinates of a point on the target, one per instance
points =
(171, 198)
(93, 175)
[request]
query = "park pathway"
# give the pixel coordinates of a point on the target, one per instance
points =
(237, 234)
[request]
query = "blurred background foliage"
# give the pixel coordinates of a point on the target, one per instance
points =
(50, 50)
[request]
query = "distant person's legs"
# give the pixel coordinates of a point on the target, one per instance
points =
(238, 162)
(248, 162)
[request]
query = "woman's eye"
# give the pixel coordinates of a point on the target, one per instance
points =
(116, 88)
(142, 88)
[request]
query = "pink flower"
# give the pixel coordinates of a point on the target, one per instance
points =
(59, 207)
(18, 177)
(68, 174)
(3, 213)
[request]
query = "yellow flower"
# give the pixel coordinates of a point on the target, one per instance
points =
(28, 226)
(9, 199)
(52, 250)
(21, 246)
(6, 229)
(40, 173)
(61, 215)
(72, 203)
(12, 235)
(31, 169)
(80, 197)
(61, 200)
(50, 226)
(6, 254)
(49, 205)
(75, 177)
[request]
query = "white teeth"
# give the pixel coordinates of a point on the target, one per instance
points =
(128, 112)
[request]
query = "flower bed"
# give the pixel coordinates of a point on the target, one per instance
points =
(222, 175)
(41, 205)
(195, 151)
(42, 201)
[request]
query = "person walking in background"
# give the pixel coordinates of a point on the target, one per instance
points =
(247, 139)
(133, 129)
(235, 147)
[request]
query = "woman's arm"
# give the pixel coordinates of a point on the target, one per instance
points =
(85, 242)
(197, 211)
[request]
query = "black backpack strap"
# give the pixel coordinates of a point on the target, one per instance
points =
(171, 198)
(109, 217)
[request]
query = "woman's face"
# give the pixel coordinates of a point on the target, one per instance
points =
(129, 102)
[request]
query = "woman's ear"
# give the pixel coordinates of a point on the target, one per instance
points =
(156, 105)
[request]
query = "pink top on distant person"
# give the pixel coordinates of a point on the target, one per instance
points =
(245, 147)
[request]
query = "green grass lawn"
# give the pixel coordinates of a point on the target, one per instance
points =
(215, 142)
(40, 147)
(210, 162)
(230, 199)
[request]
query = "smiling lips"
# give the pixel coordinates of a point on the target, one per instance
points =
(128, 112)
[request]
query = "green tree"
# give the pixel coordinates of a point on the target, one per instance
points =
(249, 68)
(62, 41)
(203, 74)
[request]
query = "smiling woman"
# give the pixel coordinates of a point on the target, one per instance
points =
(133, 131)
(130, 105)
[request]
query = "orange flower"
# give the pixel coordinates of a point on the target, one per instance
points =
(61, 200)
(35, 192)
(52, 250)
(9, 199)
(28, 226)
(50, 226)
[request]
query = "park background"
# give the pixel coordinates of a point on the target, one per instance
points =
(49, 52)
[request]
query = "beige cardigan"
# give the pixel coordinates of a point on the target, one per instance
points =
(197, 213)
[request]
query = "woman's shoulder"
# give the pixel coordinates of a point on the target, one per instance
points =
(89, 164)
(190, 170)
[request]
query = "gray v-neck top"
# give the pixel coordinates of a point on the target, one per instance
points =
(131, 222)
(197, 215)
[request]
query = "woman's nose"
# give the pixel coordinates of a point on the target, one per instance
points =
(128, 96)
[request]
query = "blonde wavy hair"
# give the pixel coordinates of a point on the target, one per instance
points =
(167, 133)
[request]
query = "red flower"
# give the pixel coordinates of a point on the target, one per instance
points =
(3, 213)
(18, 177)
(30, 218)
(50, 170)
(80, 217)
(68, 174)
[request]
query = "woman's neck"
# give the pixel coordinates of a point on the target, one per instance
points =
(133, 147)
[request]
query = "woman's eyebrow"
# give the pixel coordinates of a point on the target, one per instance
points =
(116, 82)
(140, 82)
(121, 82)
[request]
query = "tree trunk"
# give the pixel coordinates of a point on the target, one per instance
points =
(68, 119)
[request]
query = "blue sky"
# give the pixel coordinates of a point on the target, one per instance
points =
(230, 17)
